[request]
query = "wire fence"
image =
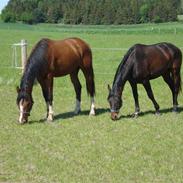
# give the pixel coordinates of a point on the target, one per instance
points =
(172, 28)
(13, 57)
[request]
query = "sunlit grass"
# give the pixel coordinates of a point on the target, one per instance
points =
(83, 148)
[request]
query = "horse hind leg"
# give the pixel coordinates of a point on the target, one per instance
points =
(77, 87)
(90, 86)
(169, 80)
(177, 87)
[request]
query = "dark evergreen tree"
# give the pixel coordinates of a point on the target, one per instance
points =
(91, 11)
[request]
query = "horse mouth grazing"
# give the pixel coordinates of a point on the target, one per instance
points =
(22, 120)
(114, 116)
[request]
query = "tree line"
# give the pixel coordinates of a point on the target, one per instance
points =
(91, 11)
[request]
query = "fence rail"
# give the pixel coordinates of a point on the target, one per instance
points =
(22, 54)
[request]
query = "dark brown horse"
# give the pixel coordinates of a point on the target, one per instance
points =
(51, 59)
(141, 64)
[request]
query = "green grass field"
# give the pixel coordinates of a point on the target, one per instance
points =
(82, 148)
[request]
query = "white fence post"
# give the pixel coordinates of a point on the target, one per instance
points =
(23, 46)
(175, 31)
(24, 53)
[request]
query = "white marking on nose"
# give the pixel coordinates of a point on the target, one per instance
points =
(21, 112)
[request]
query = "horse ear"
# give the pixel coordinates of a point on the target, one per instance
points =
(18, 89)
(109, 88)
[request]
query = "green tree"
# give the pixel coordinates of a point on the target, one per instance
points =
(91, 11)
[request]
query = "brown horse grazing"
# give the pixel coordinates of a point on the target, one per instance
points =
(51, 59)
(141, 64)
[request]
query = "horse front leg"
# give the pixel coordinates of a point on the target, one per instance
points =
(49, 85)
(135, 96)
(148, 89)
(47, 90)
(92, 108)
(50, 112)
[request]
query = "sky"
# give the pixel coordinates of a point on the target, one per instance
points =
(3, 3)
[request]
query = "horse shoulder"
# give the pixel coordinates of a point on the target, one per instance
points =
(140, 64)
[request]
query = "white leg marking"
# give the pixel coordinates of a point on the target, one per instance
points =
(136, 113)
(50, 112)
(92, 110)
(21, 112)
(78, 107)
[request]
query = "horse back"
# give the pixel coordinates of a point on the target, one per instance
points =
(65, 56)
(151, 61)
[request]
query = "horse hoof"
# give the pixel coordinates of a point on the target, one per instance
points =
(92, 114)
(50, 119)
(76, 112)
(135, 115)
(21, 123)
(175, 109)
(157, 113)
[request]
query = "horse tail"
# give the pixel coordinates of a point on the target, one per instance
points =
(180, 85)
(177, 70)
(180, 80)
(88, 71)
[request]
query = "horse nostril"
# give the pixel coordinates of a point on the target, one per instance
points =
(22, 121)
(114, 116)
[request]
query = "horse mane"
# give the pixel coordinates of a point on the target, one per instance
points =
(35, 61)
(123, 62)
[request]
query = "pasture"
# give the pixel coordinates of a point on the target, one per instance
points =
(83, 148)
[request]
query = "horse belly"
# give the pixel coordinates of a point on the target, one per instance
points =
(157, 71)
(62, 68)
(148, 72)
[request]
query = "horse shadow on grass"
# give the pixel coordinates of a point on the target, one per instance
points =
(100, 111)
(67, 115)
(162, 111)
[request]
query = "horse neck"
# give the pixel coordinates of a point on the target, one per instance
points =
(27, 81)
(118, 86)
(120, 79)
(35, 62)
(123, 71)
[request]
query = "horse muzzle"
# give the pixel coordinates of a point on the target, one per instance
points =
(22, 121)
(23, 118)
(114, 115)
